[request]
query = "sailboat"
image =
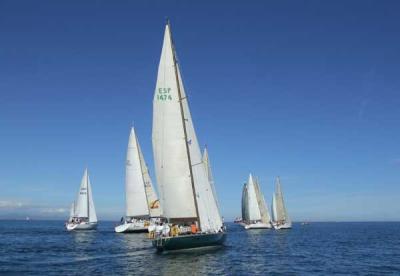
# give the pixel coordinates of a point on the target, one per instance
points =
(254, 209)
(280, 216)
(141, 200)
(189, 203)
(82, 212)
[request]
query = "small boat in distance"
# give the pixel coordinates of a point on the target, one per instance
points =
(254, 209)
(82, 212)
(141, 200)
(280, 216)
(186, 192)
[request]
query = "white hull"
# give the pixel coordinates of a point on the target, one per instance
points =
(286, 225)
(131, 228)
(258, 226)
(81, 226)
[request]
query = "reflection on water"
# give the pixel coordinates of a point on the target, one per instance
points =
(192, 261)
(280, 241)
(137, 253)
(43, 248)
(82, 243)
(83, 238)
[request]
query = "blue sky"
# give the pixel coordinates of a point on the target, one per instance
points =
(307, 90)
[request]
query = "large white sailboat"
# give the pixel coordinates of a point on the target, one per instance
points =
(82, 212)
(280, 216)
(186, 194)
(255, 214)
(142, 205)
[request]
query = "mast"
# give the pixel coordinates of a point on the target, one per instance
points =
(141, 173)
(184, 124)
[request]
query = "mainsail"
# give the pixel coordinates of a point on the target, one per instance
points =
(278, 204)
(84, 206)
(136, 201)
(186, 192)
(253, 208)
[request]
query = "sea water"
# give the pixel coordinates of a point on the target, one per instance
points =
(46, 248)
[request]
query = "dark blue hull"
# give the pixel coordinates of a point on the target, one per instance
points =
(189, 241)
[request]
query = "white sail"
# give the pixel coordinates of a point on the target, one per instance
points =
(279, 208)
(135, 195)
(170, 156)
(265, 217)
(212, 196)
(82, 199)
(92, 210)
(207, 164)
(83, 207)
(178, 161)
(273, 207)
(152, 199)
(210, 219)
(253, 209)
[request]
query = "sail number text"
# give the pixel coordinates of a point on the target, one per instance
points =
(164, 94)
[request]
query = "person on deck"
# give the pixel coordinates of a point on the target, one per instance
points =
(194, 228)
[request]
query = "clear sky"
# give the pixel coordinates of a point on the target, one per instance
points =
(307, 90)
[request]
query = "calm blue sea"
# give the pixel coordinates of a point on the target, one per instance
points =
(44, 247)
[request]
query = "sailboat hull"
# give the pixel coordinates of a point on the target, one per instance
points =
(81, 226)
(189, 241)
(131, 228)
(258, 226)
(286, 225)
